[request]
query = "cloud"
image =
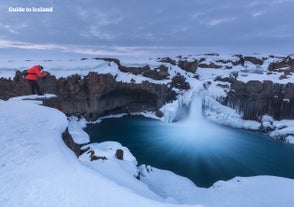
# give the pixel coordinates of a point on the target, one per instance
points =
(282, 1)
(217, 21)
(30, 46)
(258, 13)
(149, 24)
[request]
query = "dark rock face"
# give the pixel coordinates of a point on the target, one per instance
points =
(286, 63)
(210, 65)
(188, 66)
(159, 73)
(93, 95)
(253, 60)
(96, 95)
(167, 60)
(67, 138)
(16, 87)
(255, 98)
(179, 82)
(243, 59)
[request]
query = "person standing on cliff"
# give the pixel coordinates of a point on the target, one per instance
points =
(32, 75)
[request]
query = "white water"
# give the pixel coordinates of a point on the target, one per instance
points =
(196, 128)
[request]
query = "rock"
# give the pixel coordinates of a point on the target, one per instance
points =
(159, 114)
(116, 61)
(94, 95)
(167, 60)
(188, 65)
(210, 65)
(94, 157)
(253, 60)
(119, 154)
(285, 65)
(179, 81)
(68, 140)
(255, 99)
(159, 73)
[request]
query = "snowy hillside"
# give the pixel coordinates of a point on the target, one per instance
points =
(37, 169)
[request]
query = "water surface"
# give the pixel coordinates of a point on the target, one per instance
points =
(197, 149)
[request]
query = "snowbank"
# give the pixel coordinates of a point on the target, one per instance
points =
(37, 169)
(224, 115)
(75, 128)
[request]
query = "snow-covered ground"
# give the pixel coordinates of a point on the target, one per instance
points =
(37, 169)
(216, 112)
(82, 66)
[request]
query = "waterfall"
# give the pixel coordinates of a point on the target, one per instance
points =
(196, 127)
(195, 112)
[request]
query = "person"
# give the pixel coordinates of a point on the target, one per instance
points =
(32, 75)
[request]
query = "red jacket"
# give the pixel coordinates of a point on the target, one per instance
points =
(34, 72)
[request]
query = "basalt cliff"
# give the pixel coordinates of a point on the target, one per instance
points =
(98, 94)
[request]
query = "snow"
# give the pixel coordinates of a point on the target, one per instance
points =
(224, 115)
(170, 186)
(123, 172)
(283, 128)
(290, 139)
(82, 66)
(37, 169)
(75, 128)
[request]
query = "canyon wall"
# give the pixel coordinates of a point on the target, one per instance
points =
(93, 95)
(96, 95)
(254, 99)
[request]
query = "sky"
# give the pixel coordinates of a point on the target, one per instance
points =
(153, 27)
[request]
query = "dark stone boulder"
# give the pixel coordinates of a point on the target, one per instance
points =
(189, 66)
(159, 73)
(243, 59)
(167, 60)
(286, 64)
(179, 82)
(253, 60)
(119, 154)
(210, 65)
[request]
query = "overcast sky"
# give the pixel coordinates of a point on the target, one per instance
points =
(137, 27)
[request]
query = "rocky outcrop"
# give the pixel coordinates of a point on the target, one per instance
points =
(159, 73)
(179, 82)
(253, 60)
(286, 64)
(97, 95)
(93, 95)
(189, 66)
(255, 98)
(68, 140)
(167, 60)
(209, 65)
